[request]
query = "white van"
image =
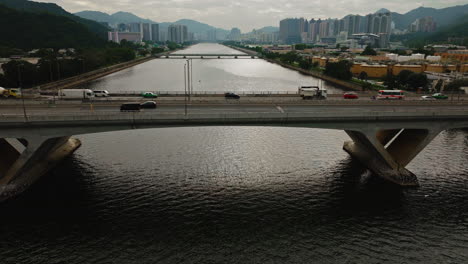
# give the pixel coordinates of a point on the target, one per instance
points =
(101, 93)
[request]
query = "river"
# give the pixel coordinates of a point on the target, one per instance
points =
(209, 75)
(238, 195)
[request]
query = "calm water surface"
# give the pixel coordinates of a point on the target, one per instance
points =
(238, 195)
(220, 75)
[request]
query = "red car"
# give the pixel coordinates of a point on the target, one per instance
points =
(350, 95)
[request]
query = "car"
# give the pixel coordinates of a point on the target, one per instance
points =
(427, 98)
(130, 107)
(231, 96)
(149, 104)
(101, 93)
(350, 95)
(149, 95)
(440, 96)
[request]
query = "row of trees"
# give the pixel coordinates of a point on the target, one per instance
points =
(52, 66)
(407, 80)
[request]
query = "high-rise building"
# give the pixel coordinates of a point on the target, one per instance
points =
(155, 32)
(235, 34)
(425, 24)
(290, 30)
(146, 32)
(135, 27)
(211, 35)
(177, 33)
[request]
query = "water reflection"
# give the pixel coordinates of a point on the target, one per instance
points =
(208, 75)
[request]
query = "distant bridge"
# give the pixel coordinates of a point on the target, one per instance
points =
(384, 139)
(207, 56)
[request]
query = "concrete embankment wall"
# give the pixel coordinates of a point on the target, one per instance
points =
(249, 52)
(319, 75)
(89, 76)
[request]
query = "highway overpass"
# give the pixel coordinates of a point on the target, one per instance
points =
(385, 138)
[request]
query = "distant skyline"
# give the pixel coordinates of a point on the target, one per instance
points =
(245, 14)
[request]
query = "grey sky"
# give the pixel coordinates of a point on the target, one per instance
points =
(246, 14)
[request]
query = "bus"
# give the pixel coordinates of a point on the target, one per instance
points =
(391, 94)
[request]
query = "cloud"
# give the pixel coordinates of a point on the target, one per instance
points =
(246, 14)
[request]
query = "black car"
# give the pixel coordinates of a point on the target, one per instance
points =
(231, 96)
(149, 104)
(130, 107)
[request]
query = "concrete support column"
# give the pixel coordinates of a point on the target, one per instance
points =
(40, 155)
(387, 152)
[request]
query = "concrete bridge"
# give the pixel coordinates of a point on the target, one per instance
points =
(207, 56)
(385, 139)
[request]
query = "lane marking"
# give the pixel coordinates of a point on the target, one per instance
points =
(280, 109)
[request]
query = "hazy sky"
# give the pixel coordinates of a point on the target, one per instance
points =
(246, 14)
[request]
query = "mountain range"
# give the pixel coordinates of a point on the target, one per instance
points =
(443, 16)
(126, 17)
(43, 29)
(40, 8)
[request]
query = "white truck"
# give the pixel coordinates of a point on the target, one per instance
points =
(83, 94)
(312, 92)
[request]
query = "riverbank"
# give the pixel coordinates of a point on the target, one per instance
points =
(316, 74)
(90, 76)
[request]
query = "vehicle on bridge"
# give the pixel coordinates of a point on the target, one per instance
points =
(312, 92)
(10, 93)
(427, 98)
(440, 96)
(101, 93)
(130, 107)
(76, 94)
(391, 95)
(231, 96)
(149, 95)
(350, 95)
(149, 104)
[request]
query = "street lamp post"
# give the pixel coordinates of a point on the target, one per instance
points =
(20, 85)
(185, 87)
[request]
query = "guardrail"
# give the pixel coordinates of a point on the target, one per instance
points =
(164, 115)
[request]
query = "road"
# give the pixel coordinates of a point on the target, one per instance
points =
(228, 107)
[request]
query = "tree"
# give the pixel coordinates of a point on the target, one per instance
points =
(402, 77)
(366, 86)
(363, 75)
(300, 46)
(456, 85)
(340, 70)
(391, 82)
(417, 80)
(155, 51)
(289, 57)
(20, 73)
(369, 51)
(305, 64)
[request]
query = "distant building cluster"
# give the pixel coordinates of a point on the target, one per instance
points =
(138, 32)
(425, 24)
(135, 32)
(351, 27)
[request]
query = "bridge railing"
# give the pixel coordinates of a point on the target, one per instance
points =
(199, 93)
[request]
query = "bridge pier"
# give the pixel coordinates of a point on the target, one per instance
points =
(387, 152)
(25, 161)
